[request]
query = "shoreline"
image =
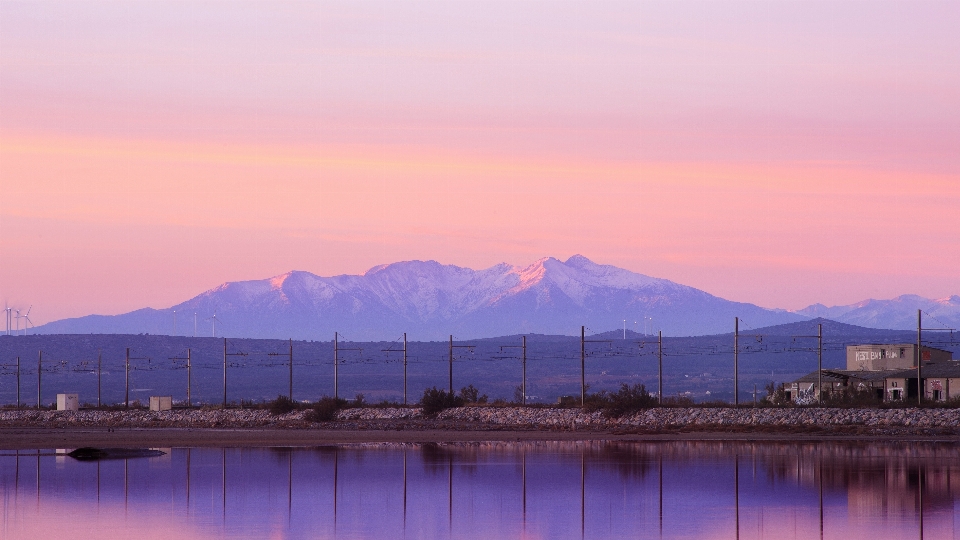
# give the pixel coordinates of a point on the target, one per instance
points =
(46, 438)
(30, 429)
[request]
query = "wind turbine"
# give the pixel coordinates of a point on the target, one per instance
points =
(17, 317)
(174, 322)
(214, 319)
(28, 321)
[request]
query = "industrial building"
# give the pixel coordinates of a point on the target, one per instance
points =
(887, 372)
(877, 357)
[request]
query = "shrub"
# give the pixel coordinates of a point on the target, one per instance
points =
(568, 402)
(435, 400)
(326, 409)
(281, 405)
(776, 395)
(518, 394)
(469, 394)
(358, 401)
(678, 401)
(626, 400)
(850, 397)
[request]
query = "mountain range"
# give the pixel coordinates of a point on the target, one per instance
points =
(899, 313)
(431, 301)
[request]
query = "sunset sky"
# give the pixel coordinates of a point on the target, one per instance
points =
(776, 152)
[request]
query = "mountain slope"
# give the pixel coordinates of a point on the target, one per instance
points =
(429, 300)
(899, 313)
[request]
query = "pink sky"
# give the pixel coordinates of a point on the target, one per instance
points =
(780, 153)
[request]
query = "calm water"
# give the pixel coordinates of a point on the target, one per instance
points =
(491, 490)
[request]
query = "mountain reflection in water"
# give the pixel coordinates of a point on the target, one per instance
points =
(492, 490)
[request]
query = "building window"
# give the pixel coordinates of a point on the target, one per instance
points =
(894, 384)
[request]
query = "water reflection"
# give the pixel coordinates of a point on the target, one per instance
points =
(492, 490)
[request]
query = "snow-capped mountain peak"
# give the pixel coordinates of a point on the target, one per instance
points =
(432, 300)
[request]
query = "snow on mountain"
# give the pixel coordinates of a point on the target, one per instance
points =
(429, 300)
(898, 313)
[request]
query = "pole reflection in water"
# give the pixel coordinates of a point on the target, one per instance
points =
(920, 498)
(289, 486)
(820, 492)
(583, 507)
(450, 493)
(223, 482)
(866, 490)
(736, 490)
(523, 474)
(336, 473)
(660, 490)
(188, 478)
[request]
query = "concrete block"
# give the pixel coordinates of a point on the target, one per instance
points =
(161, 403)
(68, 402)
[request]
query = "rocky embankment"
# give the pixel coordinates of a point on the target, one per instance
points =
(651, 420)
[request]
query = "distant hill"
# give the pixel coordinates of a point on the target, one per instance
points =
(258, 369)
(429, 300)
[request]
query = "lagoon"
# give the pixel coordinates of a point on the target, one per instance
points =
(586, 489)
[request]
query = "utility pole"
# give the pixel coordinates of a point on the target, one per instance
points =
(18, 382)
(819, 337)
(736, 361)
(336, 363)
(189, 402)
(819, 364)
(583, 358)
(126, 402)
(524, 368)
(920, 389)
(660, 367)
(224, 363)
(289, 356)
(583, 367)
(523, 361)
(99, 372)
(452, 347)
(404, 365)
(39, 372)
(919, 356)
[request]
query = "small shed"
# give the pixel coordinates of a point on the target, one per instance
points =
(161, 403)
(68, 402)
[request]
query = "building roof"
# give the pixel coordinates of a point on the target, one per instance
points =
(904, 345)
(831, 376)
(950, 368)
(844, 375)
